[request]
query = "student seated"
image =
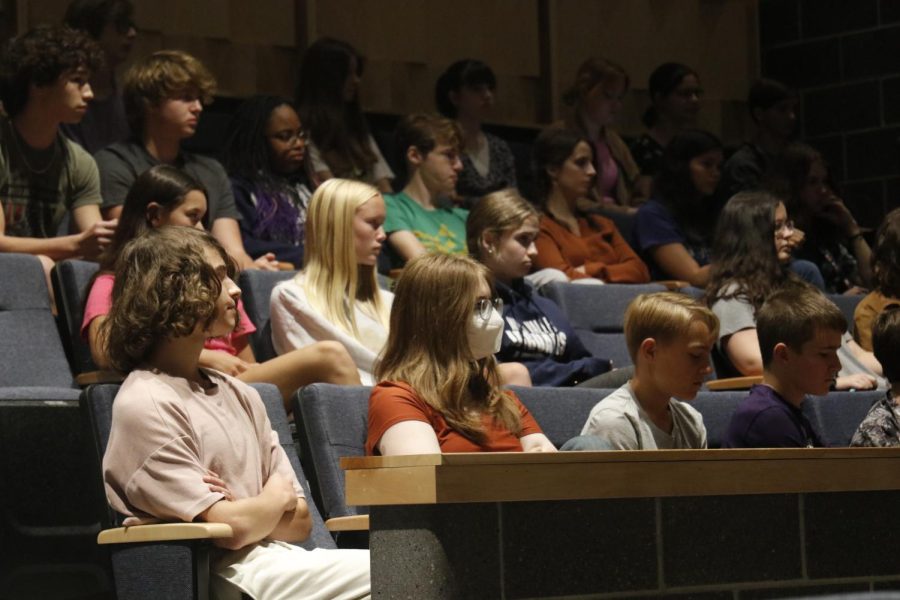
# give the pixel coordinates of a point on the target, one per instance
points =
(501, 232)
(42, 173)
(164, 95)
(585, 246)
(336, 296)
(110, 23)
(439, 390)
(670, 337)
(164, 195)
(752, 250)
(465, 92)
(881, 427)
(799, 332)
(885, 276)
(189, 443)
(421, 218)
(264, 154)
(328, 102)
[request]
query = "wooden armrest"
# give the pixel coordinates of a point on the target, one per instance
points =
(92, 377)
(395, 273)
(164, 532)
(673, 285)
(286, 266)
(348, 523)
(733, 383)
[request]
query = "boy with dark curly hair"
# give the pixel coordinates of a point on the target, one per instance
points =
(44, 83)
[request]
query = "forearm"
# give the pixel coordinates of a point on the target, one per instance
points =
(294, 526)
(537, 442)
(56, 248)
(251, 519)
(863, 255)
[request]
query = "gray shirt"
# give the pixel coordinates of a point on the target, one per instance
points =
(121, 163)
(620, 420)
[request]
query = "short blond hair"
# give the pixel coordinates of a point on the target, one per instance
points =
(664, 316)
(163, 75)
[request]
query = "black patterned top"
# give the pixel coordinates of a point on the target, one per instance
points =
(501, 172)
(648, 154)
(881, 427)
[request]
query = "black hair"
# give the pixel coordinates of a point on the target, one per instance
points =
(766, 93)
(40, 57)
(663, 81)
(92, 16)
(468, 72)
(886, 341)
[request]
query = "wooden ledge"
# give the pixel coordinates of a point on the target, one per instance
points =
(92, 377)
(348, 523)
(164, 532)
(733, 383)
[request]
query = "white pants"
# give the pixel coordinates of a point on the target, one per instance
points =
(276, 571)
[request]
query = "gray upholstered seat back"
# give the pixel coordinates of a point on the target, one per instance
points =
(31, 353)
(256, 290)
(71, 279)
(836, 416)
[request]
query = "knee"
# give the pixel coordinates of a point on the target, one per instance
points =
(338, 364)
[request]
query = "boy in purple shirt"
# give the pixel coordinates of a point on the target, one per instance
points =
(799, 332)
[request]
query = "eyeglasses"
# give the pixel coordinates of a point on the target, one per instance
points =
(289, 137)
(483, 307)
(784, 227)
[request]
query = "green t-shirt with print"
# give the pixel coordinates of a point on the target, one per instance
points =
(439, 230)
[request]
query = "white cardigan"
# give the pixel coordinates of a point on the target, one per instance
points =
(295, 324)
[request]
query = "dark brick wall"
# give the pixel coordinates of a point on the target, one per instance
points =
(844, 58)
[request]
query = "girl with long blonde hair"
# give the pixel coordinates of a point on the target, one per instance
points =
(336, 295)
(440, 389)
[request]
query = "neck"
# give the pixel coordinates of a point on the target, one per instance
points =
(769, 142)
(593, 129)
(36, 129)
(653, 400)
(179, 357)
(664, 131)
(895, 392)
(418, 191)
(560, 206)
(471, 131)
(163, 148)
(787, 390)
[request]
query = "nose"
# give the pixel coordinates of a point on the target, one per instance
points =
(131, 33)
(457, 164)
(231, 288)
(380, 235)
(196, 106)
(87, 92)
(532, 250)
(590, 170)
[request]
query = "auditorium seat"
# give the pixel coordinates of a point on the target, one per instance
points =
(847, 304)
(175, 568)
(597, 314)
(256, 291)
(71, 280)
(31, 353)
(837, 415)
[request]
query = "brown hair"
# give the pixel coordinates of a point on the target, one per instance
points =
(791, 316)
(425, 131)
(886, 256)
(428, 347)
(161, 76)
(164, 288)
(664, 316)
(497, 212)
(593, 71)
(886, 341)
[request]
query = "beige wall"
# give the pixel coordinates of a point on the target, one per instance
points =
(250, 46)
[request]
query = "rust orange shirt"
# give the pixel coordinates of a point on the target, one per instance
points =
(393, 402)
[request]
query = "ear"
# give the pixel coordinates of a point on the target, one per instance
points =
(488, 242)
(154, 214)
(454, 97)
(647, 349)
(755, 114)
(414, 157)
(780, 351)
(553, 173)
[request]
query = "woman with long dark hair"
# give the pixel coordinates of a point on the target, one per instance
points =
(585, 246)
(751, 252)
(329, 106)
(673, 230)
(264, 155)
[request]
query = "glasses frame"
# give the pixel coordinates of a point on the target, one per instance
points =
(483, 307)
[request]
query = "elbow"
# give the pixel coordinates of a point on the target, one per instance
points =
(748, 366)
(241, 535)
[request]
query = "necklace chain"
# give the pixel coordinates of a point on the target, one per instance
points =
(15, 136)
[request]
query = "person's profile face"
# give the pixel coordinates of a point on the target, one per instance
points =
(368, 230)
(440, 169)
(226, 316)
(179, 115)
(815, 367)
(575, 176)
(286, 140)
(187, 213)
(512, 256)
(706, 171)
(682, 364)
(70, 95)
(682, 105)
(603, 102)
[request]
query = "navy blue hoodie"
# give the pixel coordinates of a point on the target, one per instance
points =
(537, 334)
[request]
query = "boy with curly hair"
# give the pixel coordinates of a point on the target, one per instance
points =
(43, 84)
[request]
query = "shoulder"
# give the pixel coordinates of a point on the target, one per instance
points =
(122, 151)
(686, 413)
(148, 396)
(204, 166)
(654, 209)
(396, 396)
(615, 406)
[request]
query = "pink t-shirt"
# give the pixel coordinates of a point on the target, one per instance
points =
(100, 300)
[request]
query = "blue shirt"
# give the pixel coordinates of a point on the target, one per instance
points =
(766, 420)
(656, 226)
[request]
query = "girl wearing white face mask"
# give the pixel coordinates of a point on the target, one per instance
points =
(440, 387)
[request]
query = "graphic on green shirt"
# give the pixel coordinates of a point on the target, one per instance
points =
(444, 241)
